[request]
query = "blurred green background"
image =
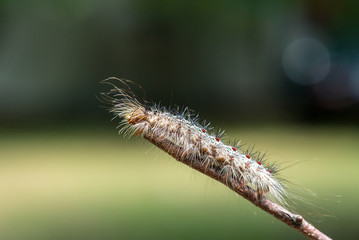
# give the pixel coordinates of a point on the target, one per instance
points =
(281, 74)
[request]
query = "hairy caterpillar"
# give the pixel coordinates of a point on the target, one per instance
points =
(182, 136)
(192, 140)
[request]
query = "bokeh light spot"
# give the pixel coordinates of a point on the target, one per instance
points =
(306, 61)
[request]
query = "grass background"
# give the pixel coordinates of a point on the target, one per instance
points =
(75, 183)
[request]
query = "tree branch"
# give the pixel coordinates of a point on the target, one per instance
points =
(293, 220)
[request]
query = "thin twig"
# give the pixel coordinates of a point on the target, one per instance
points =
(293, 220)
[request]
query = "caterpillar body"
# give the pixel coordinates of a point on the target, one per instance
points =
(186, 139)
(182, 136)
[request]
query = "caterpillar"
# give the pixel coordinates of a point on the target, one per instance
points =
(182, 131)
(180, 134)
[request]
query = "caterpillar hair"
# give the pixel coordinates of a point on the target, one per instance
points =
(181, 135)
